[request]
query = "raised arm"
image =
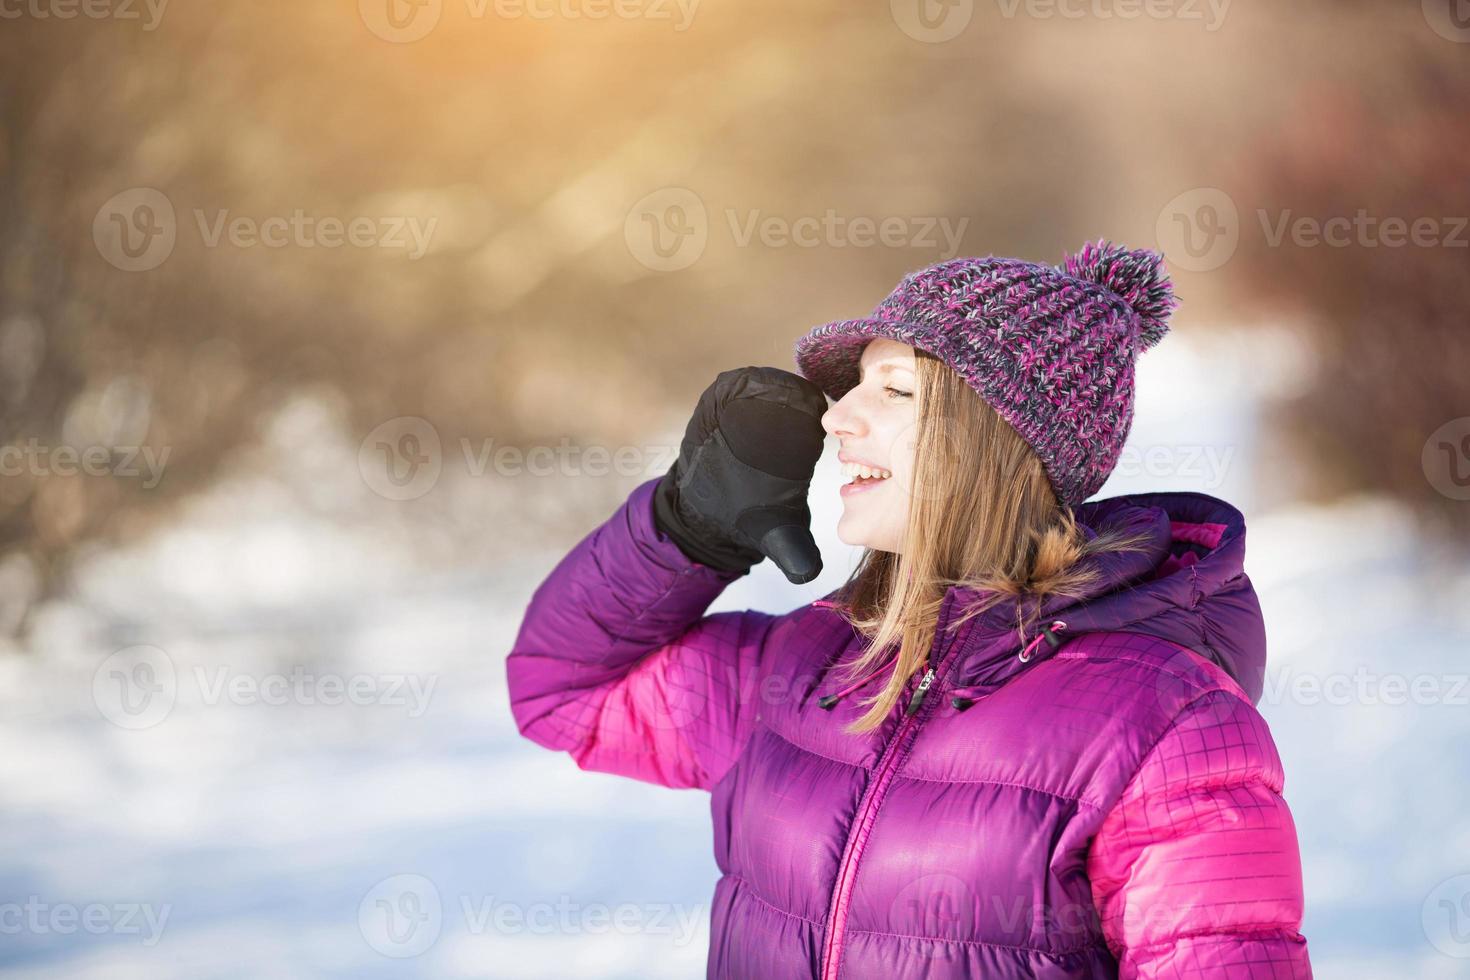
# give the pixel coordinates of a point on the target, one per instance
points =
(614, 664)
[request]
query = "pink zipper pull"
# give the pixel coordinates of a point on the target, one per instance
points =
(1046, 634)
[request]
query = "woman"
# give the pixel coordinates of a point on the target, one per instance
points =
(1020, 741)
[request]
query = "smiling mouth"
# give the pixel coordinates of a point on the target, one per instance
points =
(860, 477)
(859, 474)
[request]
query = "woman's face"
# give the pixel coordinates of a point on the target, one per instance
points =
(875, 424)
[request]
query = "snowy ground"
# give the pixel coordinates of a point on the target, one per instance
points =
(274, 741)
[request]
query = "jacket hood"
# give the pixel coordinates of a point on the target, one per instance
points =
(1187, 585)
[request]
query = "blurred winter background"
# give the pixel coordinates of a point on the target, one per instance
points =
(327, 329)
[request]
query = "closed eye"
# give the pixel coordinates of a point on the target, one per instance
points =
(896, 392)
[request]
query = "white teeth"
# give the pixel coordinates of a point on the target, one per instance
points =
(856, 470)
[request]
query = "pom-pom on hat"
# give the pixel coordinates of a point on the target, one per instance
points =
(1050, 348)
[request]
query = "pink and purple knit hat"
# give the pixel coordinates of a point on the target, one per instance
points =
(1050, 348)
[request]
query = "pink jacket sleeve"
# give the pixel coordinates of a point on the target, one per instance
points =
(616, 663)
(1195, 871)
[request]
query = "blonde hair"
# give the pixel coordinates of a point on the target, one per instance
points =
(983, 515)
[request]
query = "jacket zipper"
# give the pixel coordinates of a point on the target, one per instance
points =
(868, 808)
(919, 693)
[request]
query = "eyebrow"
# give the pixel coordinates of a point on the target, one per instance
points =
(862, 371)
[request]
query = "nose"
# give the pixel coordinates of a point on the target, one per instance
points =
(840, 420)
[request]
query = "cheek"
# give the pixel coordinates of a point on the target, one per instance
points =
(900, 437)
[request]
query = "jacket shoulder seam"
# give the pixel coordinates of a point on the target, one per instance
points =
(1163, 733)
(1082, 650)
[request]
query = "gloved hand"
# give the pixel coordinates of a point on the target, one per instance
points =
(737, 493)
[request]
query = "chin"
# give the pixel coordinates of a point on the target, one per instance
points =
(861, 538)
(849, 535)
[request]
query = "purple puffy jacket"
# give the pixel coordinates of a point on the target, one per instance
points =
(1100, 799)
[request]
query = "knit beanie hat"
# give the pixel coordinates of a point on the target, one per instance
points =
(1050, 348)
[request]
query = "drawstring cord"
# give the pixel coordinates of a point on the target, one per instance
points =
(1046, 634)
(829, 701)
(964, 697)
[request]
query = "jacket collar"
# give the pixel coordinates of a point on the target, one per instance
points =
(1187, 585)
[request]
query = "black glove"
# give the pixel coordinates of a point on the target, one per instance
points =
(737, 493)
